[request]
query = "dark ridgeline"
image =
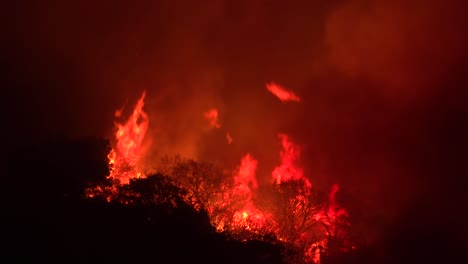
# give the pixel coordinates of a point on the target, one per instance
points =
(47, 219)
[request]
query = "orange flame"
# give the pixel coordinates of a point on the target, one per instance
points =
(249, 217)
(282, 93)
(124, 156)
(288, 169)
(246, 175)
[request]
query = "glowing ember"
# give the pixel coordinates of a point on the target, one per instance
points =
(124, 156)
(282, 93)
(249, 218)
(229, 138)
(288, 169)
(212, 117)
(244, 215)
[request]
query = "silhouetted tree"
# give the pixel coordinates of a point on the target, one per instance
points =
(155, 189)
(205, 183)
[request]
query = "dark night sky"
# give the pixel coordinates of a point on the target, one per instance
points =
(383, 86)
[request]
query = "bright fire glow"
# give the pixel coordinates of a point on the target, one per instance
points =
(247, 216)
(282, 93)
(288, 169)
(124, 156)
(245, 178)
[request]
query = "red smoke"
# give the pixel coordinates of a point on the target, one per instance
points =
(212, 117)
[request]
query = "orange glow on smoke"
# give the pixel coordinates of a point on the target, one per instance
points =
(288, 169)
(124, 156)
(212, 117)
(282, 93)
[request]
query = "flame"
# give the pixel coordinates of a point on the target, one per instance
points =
(244, 215)
(288, 169)
(245, 177)
(282, 93)
(124, 156)
(212, 117)
(248, 217)
(334, 209)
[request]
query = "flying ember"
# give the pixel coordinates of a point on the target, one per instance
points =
(282, 93)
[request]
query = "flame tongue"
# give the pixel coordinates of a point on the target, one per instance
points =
(246, 174)
(288, 169)
(124, 156)
(249, 217)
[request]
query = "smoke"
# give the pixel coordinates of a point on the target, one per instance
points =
(393, 62)
(406, 47)
(369, 74)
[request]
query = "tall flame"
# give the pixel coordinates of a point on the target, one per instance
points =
(124, 156)
(249, 216)
(288, 169)
(245, 178)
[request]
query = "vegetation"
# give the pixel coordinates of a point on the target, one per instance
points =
(48, 219)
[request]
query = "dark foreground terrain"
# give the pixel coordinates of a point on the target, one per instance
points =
(47, 219)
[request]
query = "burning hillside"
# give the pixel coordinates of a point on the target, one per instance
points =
(320, 126)
(289, 208)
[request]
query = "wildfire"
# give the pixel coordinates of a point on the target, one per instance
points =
(282, 93)
(124, 156)
(293, 215)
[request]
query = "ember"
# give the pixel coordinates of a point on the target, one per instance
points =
(282, 93)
